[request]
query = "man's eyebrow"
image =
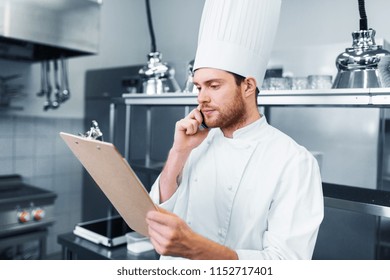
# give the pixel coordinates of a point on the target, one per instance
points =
(207, 82)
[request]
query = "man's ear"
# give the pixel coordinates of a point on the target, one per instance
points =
(249, 86)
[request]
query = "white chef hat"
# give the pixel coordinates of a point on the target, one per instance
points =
(237, 36)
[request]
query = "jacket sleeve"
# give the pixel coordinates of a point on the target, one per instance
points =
(155, 196)
(178, 194)
(296, 213)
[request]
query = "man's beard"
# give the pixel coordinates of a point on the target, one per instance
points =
(230, 116)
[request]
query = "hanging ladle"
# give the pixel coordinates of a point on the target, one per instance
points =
(65, 94)
(43, 90)
(57, 89)
(48, 103)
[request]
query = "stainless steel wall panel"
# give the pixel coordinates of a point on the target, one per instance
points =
(347, 137)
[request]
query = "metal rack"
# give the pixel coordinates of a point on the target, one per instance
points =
(369, 97)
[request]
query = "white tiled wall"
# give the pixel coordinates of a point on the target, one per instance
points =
(31, 147)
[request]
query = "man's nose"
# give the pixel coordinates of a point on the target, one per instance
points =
(203, 96)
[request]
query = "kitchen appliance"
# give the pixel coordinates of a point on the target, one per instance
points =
(26, 212)
(157, 77)
(109, 232)
(34, 30)
(365, 64)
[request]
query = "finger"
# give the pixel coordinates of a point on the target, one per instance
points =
(157, 246)
(160, 224)
(160, 232)
(164, 222)
(157, 239)
(189, 126)
(157, 234)
(157, 217)
(192, 128)
(196, 115)
(157, 231)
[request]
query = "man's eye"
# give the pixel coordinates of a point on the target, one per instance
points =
(214, 86)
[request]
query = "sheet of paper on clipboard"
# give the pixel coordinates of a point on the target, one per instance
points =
(115, 177)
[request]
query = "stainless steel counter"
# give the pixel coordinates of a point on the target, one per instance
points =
(77, 248)
(366, 201)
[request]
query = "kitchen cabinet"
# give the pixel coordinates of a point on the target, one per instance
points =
(372, 204)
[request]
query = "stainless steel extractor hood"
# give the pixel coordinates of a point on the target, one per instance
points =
(34, 30)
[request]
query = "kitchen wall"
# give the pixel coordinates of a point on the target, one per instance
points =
(311, 34)
(31, 147)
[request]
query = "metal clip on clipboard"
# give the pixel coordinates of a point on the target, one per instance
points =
(94, 132)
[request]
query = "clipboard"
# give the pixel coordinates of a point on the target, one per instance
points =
(115, 177)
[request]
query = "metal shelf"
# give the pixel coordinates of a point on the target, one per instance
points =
(370, 97)
(158, 99)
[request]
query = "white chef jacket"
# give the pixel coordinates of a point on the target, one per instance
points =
(258, 193)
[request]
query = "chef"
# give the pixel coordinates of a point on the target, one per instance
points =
(239, 189)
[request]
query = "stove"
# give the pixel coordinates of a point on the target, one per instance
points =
(25, 213)
(109, 232)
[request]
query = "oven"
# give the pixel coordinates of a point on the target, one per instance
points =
(26, 212)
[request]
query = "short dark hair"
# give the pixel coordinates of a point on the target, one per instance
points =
(239, 79)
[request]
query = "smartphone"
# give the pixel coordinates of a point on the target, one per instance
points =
(203, 125)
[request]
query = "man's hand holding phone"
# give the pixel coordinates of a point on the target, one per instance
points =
(190, 132)
(188, 136)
